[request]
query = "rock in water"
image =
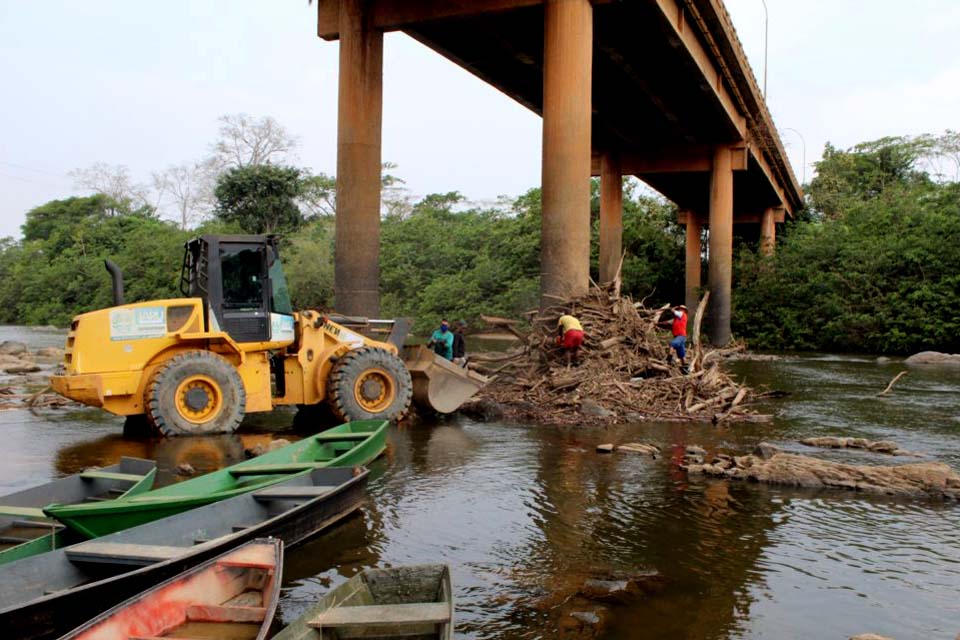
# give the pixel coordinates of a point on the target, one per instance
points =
(695, 450)
(638, 447)
(591, 408)
(869, 636)
(22, 369)
(12, 348)
(605, 448)
(279, 443)
(621, 591)
(482, 409)
(49, 353)
(877, 446)
(924, 357)
(765, 450)
(586, 617)
(185, 469)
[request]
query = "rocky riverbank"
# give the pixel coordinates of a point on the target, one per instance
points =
(25, 376)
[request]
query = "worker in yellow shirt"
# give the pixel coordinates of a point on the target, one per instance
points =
(570, 336)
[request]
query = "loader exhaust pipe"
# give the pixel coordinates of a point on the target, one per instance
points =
(117, 276)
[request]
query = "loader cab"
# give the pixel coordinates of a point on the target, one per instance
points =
(241, 282)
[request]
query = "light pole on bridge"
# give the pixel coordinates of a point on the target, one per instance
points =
(766, 38)
(804, 143)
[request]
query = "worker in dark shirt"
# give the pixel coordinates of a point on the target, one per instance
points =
(460, 344)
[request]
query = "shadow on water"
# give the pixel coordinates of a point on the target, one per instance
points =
(525, 514)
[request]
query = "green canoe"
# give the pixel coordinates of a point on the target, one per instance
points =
(351, 444)
(25, 530)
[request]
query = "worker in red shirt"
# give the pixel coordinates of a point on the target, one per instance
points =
(679, 329)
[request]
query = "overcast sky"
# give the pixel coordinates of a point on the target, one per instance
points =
(142, 84)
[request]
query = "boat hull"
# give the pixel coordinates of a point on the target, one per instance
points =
(129, 477)
(404, 585)
(319, 451)
(235, 591)
(81, 590)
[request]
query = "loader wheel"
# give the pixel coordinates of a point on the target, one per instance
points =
(369, 383)
(195, 393)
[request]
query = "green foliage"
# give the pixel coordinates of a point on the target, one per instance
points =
(881, 272)
(439, 262)
(308, 264)
(57, 270)
(262, 198)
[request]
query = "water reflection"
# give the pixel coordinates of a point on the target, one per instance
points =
(524, 514)
(203, 454)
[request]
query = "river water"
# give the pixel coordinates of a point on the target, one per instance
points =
(524, 514)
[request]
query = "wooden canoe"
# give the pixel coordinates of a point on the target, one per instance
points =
(348, 445)
(412, 602)
(231, 596)
(25, 530)
(47, 595)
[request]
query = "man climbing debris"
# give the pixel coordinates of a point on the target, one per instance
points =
(679, 329)
(570, 337)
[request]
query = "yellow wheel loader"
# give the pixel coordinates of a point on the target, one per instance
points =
(233, 345)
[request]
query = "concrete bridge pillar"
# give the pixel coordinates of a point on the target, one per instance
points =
(611, 215)
(567, 84)
(721, 246)
(360, 112)
(768, 232)
(694, 251)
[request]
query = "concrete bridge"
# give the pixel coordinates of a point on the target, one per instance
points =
(658, 89)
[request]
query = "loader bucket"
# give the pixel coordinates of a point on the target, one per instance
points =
(438, 383)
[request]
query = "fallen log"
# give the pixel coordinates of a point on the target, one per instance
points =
(892, 382)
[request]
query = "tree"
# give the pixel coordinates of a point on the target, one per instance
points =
(318, 195)
(863, 172)
(246, 142)
(877, 273)
(113, 181)
(260, 198)
(190, 188)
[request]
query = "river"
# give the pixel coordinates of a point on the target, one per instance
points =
(523, 514)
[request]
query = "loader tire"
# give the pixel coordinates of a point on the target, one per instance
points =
(195, 393)
(369, 384)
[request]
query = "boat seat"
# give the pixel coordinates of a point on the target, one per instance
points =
(320, 437)
(22, 512)
(384, 614)
(221, 613)
(110, 475)
(139, 555)
(267, 469)
(292, 493)
(34, 524)
(14, 539)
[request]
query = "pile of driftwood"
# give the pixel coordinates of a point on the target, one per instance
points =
(623, 373)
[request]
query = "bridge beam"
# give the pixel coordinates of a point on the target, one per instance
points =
(720, 275)
(611, 215)
(694, 265)
(567, 73)
(688, 159)
(360, 113)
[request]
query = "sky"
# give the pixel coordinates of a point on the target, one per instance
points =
(142, 85)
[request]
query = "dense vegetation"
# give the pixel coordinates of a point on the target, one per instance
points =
(439, 256)
(872, 265)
